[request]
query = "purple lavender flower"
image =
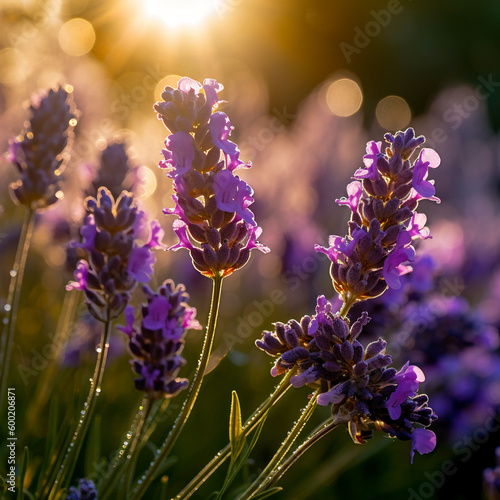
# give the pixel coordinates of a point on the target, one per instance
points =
(116, 257)
(114, 168)
(449, 340)
(364, 391)
(212, 203)
(158, 345)
(383, 201)
(85, 491)
(39, 155)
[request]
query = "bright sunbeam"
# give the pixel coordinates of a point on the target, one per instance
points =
(177, 13)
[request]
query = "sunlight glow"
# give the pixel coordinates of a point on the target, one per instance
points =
(176, 13)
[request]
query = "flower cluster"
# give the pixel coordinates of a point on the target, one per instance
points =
(212, 203)
(113, 170)
(38, 153)
(85, 491)
(157, 346)
(118, 242)
(383, 200)
(357, 381)
(449, 339)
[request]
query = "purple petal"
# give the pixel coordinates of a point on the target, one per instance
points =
(180, 229)
(179, 153)
(140, 264)
(185, 84)
(157, 313)
(220, 129)
(81, 272)
(354, 191)
(423, 441)
(128, 329)
(233, 195)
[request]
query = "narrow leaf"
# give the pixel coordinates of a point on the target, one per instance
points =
(267, 493)
(236, 437)
(20, 490)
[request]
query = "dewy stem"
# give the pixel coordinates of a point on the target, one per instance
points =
(247, 428)
(135, 448)
(12, 304)
(315, 436)
(146, 480)
(261, 482)
(69, 461)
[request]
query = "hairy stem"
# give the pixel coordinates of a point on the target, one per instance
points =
(265, 476)
(315, 436)
(73, 450)
(12, 304)
(143, 485)
(248, 427)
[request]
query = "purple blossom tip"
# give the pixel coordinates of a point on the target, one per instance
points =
(428, 158)
(423, 441)
(394, 263)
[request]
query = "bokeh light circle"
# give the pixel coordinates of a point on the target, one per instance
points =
(76, 37)
(393, 113)
(344, 97)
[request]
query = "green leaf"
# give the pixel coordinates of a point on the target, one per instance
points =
(24, 467)
(235, 466)
(267, 493)
(236, 436)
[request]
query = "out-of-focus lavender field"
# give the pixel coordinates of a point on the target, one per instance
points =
(305, 130)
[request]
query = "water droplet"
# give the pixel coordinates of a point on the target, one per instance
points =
(129, 435)
(98, 349)
(125, 444)
(7, 307)
(83, 412)
(98, 391)
(5, 321)
(140, 481)
(13, 273)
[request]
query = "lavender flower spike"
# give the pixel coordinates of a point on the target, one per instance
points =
(358, 382)
(157, 346)
(383, 200)
(212, 203)
(39, 154)
(118, 242)
(85, 491)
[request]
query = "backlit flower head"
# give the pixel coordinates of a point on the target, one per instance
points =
(212, 204)
(383, 199)
(158, 344)
(39, 153)
(358, 382)
(118, 241)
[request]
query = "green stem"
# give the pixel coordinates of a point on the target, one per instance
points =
(315, 436)
(47, 378)
(133, 452)
(247, 428)
(106, 486)
(349, 301)
(266, 475)
(12, 305)
(149, 476)
(69, 460)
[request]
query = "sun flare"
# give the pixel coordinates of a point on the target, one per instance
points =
(178, 13)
